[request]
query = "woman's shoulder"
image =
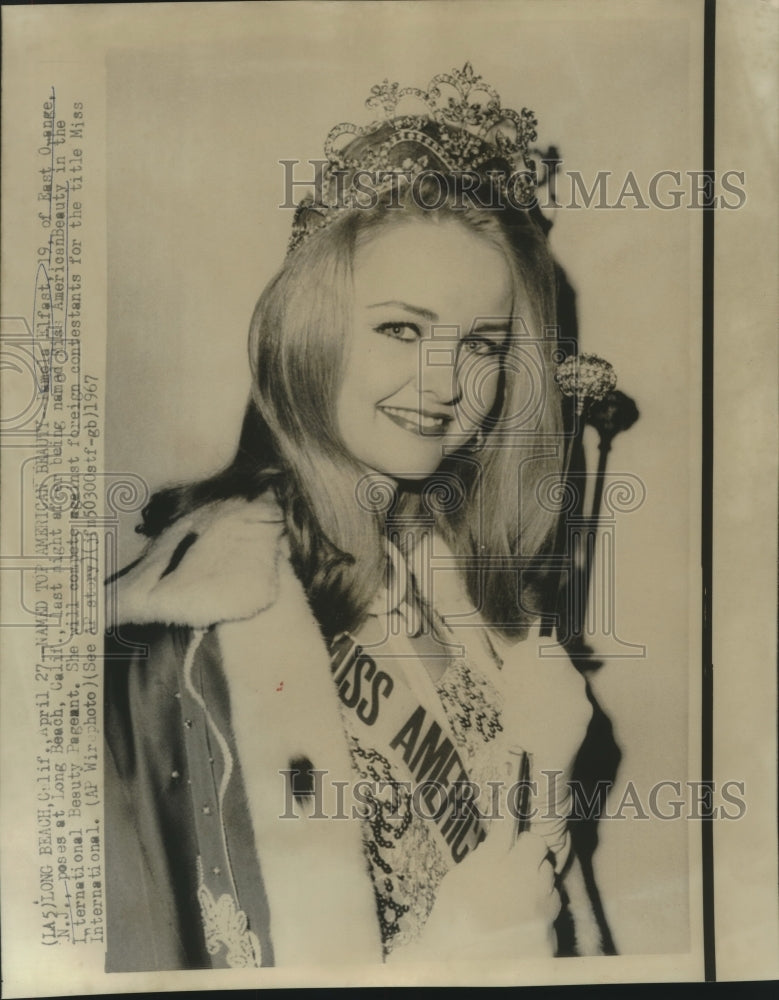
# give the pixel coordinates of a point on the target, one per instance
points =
(218, 563)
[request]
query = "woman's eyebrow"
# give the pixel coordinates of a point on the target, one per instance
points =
(417, 310)
(493, 326)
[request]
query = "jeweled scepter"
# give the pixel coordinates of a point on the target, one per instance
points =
(588, 380)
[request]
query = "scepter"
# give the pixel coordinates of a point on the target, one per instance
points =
(587, 379)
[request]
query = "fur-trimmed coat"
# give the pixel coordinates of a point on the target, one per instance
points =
(218, 685)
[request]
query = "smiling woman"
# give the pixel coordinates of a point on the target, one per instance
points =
(399, 406)
(325, 680)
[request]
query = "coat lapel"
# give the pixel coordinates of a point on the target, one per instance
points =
(224, 573)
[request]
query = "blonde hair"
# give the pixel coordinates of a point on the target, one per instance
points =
(493, 517)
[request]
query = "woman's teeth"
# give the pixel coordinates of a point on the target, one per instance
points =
(414, 420)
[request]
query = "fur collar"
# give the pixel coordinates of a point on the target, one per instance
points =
(217, 564)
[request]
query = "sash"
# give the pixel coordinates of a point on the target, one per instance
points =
(421, 722)
(411, 763)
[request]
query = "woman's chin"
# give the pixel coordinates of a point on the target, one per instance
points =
(409, 469)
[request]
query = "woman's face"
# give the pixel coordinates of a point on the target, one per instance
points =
(430, 321)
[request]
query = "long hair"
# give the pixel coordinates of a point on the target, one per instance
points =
(485, 507)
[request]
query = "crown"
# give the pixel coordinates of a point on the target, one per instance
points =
(455, 127)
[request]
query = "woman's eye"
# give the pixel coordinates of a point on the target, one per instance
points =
(400, 331)
(482, 347)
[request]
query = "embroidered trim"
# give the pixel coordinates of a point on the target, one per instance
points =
(406, 864)
(224, 747)
(470, 701)
(227, 927)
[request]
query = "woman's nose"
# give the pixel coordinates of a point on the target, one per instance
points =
(437, 369)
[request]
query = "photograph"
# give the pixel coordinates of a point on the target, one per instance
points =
(364, 469)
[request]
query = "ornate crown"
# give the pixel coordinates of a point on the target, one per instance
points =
(458, 128)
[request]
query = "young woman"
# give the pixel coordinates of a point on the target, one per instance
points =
(332, 735)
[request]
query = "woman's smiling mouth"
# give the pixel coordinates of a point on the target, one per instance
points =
(417, 421)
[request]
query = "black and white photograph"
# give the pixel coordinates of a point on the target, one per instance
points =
(389, 491)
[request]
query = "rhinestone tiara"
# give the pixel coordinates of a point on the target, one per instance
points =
(455, 127)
